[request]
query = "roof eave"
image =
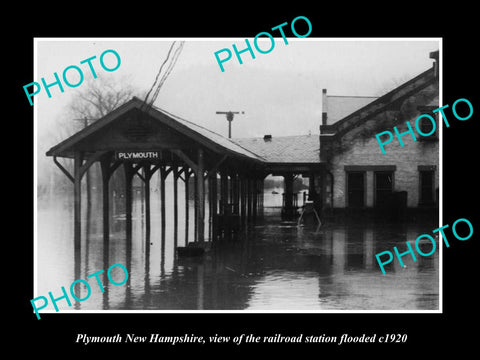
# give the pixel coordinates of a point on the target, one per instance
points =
(64, 148)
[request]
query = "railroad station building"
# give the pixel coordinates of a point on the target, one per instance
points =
(356, 173)
(347, 171)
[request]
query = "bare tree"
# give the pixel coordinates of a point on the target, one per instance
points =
(97, 98)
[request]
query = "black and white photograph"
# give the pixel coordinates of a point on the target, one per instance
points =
(256, 186)
(211, 183)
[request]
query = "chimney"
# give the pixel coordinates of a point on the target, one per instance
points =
(267, 138)
(434, 55)
(324, 107)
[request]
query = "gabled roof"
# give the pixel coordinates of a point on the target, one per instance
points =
(284, 149)
(207, 138)
(387, 101)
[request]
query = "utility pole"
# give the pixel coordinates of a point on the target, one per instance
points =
(230, 115)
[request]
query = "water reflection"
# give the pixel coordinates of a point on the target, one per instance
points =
(270, 265)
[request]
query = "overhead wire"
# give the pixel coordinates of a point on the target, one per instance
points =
(169, 69)
(159, 72)
(157, 85)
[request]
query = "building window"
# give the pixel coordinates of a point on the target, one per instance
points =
(427, 178)
(426, 126)
(356, 189)
(383, 188)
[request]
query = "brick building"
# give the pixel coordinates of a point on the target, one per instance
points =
(356, 175)
(345, 164)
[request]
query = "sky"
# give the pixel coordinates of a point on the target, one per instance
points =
(280, 92)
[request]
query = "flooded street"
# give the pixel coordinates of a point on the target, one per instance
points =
(272, 265)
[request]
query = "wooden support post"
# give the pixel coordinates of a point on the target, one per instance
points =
(209, 221)
(175, 209)
(77, 186)
(201, 198)
(230, 188)
(223, 192)
(214, 204)
(128, 257)
(259, 200)
(236, 192)
(195, 207)
(77, 212)
(187, 208)
(128, 201)
(254, 198)
(162, 204)
(106, 173)
(222, 208)
(205, 199)
(105, 166)
(249, 198)
(239, 185)
(261, 195)
(147, 178)
(243, 198)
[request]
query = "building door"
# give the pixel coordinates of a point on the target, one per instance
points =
(383, 188)
(356, 189)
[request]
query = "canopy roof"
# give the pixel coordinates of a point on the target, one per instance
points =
(134, 126)
(99, 136)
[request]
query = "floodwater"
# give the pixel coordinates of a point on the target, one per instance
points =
(272, 265)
